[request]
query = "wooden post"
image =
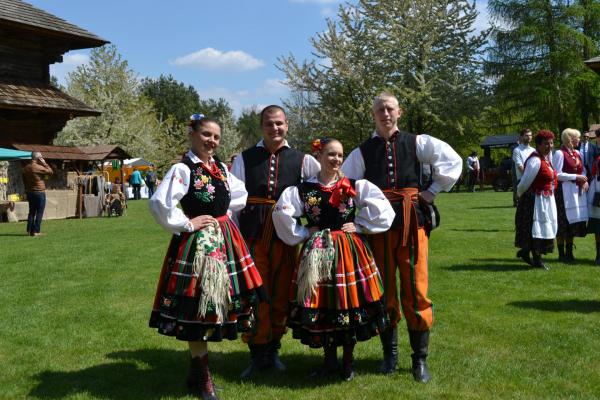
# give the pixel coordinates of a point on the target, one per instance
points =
(80, 185)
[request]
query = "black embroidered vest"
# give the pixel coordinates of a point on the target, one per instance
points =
(393, 165)
(206, 195)
(319, 212)
(267, 176)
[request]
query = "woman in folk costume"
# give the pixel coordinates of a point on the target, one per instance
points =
(336, 295)
(594, 201)
(536, 222)
(571, 198)
(208, 285)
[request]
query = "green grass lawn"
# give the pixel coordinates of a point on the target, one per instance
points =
(74, 306)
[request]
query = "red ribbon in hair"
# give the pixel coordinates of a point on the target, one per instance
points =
(343, 187)
(316, 145)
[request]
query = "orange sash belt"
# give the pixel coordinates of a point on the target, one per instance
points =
(267, 231)
(407, 197)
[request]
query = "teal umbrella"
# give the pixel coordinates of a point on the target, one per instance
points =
(9, 154)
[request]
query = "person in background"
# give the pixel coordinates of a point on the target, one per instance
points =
(135, 180)
(593, 198)
(150, 180)
(535, 219)
(209, 286)
(519, 155)
(473, 168)
(33, 179)
(391, 159)
(588, 151)
(571, 198)
(335, 254)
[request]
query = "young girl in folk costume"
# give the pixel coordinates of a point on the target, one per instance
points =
(571, 198)
(594, 201)
(336, 295)
(208, 285)
(535, 219)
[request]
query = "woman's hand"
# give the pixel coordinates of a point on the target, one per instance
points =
(202, 221)
(585, 187)
(349, 227)
(581, 179)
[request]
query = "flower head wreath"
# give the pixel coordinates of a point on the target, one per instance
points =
(194, 118)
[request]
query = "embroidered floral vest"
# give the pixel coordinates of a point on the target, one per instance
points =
(546, 180)
(208, 193)
(319, 212)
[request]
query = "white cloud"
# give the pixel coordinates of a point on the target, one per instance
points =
(271, 91)
(328, 12)
(69, 64)
(273, 87)
(213, 59)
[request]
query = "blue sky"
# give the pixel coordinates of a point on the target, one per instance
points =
(225, 48)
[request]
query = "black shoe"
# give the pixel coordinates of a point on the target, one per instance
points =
(524, 255)
(330, 365)
(257, 361)
(561, 253)
(348, 373)
(272, 359)
(597, 261)
(419, 342)
(569, 253)
(537, 262)
(389, 343)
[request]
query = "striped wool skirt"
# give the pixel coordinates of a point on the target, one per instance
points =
(343, 305)
(176, 309)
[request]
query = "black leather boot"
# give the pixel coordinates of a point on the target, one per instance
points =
(389, 344)
(419, 342)
(523, 254)
(330, 364)
(569, 253)
(257, 360)
(561, 253)
(272, 356)
(199, 379)
(348, 362)
(597, 253)
(537, 261)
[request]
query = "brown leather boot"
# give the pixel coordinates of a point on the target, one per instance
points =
(199, 379)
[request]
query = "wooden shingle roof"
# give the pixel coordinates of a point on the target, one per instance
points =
(20, 14)
(74, 153)
(40, 97)
(594, 63)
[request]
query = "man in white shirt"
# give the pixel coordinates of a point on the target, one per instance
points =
(473, 167)
(392, 160)
(521, 153)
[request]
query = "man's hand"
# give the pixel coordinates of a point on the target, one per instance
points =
(581, 179)
(202, 221)
(427, 196)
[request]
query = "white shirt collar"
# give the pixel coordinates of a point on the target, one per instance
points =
(375, 133)
(262, 143)
(194, 158)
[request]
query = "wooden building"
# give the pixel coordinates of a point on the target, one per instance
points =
(31, 110)
(594, 64)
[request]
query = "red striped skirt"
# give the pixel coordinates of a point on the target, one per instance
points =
(347, 308)
(175, 309)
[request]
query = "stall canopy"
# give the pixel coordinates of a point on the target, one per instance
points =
(9, 154)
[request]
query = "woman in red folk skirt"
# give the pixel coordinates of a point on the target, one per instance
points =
(336, 296)
(208, 286)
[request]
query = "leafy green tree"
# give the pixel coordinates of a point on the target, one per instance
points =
(171, 98)
(128, 119)
(248, 124)
(536, 60)
(425, 52)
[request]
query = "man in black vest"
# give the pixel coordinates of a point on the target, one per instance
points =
(267, 170)
(392, 160)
